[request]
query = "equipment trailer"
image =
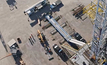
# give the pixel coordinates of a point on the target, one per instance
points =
(16, 53)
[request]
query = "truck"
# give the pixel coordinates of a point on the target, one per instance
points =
(55, 4)
(15, 52)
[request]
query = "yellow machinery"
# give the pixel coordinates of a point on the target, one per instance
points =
(90, 10)
(101, 61)
(41, 37)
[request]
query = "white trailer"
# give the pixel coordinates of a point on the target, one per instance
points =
(37, 6)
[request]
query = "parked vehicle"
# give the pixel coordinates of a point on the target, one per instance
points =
(16, 53)
(60, 52)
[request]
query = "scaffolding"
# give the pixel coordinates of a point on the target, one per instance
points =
(100, 32)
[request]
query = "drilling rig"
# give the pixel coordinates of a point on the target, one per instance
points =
(99, 41)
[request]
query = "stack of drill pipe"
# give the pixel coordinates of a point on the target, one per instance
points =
(62, 41)
(48, 24)
(58, 17)
(53, 32)
(78, 10)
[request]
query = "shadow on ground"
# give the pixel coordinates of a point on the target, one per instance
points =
(64, 57)
(42, 12)
(12, 4)
(38, 15)
(73, 45)
(3, 42)
(58, 7)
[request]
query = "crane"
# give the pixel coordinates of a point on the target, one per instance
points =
(41, 36)
(15, 52)
(6, 56)
(10, 54)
